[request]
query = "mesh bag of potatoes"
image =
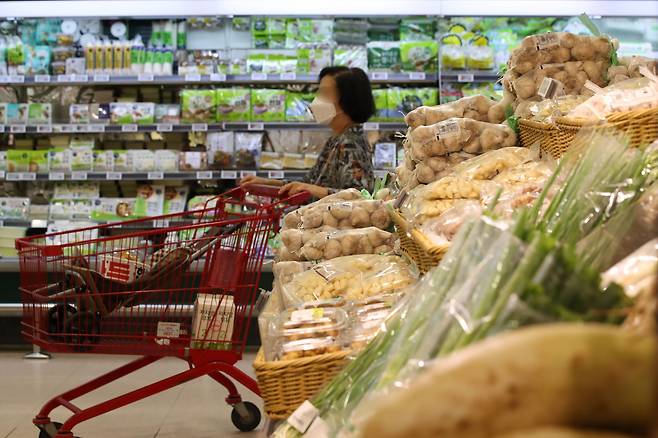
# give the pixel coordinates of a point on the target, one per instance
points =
(326, 245)
(629, 67)
(455, 135)
(294, 218)
(342, 215)
(352, 277)
(472, 107)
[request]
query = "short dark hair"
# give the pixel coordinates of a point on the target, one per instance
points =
(355, 92)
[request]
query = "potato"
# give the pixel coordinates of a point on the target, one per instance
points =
(382, 249)
(365, 246)
(310, 253)
(292, 219)
(344, 224)
(292, 239)
(380, 218)
(307, 235)
(329, 220)
(285, 255)
(566, 374)
(424, 173)
(359, 217)
(349, 244)
(311, 218)
(340, 210)
(332, 249)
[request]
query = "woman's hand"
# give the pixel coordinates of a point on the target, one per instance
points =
(253, 179)
(296, 187)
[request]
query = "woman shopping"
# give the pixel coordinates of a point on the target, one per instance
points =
(343, 102)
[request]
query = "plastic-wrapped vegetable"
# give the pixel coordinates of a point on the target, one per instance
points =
(294, 218)
(557, 48)
(548, 109)
(471, 107)
(636, 273)
(629, 67)
(435, 168)
(533, 172)
(443, 228)
(344, 214)
(490, 164)
(455, 135)
(352, 277)
(327, 245)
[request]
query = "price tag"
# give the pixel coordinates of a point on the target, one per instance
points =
(2, 174)
(44, 128)
(164, 127)
(64, 128)
(4, 79)
(96, 128)
(161, 223)
(255, 126)
(276, 174)
(371, 126)
(79, 78)
(17, 128)
(16, 79)
(258, 76)
(28, 176)
(41, 79)
(128, 128)
(204, 175)
(155, 175)
(228, 174)
(244, 173)
(288, 76)
(417, 76)
(101, 78)
(113, 176)
(200, 127)
(303, 416)
(79, 176)
(465, 77)
(192, 77)
(56, 176)
(218, 77)
(380, 76)
(64, 78)
(145, 77)
(11, 176)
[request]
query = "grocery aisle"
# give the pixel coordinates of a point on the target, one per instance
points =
(196, 409)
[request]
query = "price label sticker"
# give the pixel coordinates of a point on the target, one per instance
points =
(129, 128)
(192, 77)
(28, 176)
(164, 127)
(258, 76)
(96, 128)
(155, 175)
(101, 78)
(64, 128)
(64, 78)
(218, 77)
(161, 223)
(56, 176)
(244, 173)
(288, 76)
(465, 77)
(42, 79)
(371, 126)
(145, 77)
(16, 79)
(79, 78)
(12, 176)
(256, 126)
(200, 127)
(17, 129)
(417, 76)
(228, 174)
(2, 174)
(44, 128)
(380, 76)
(276, 174)
(303, 416)
(204, 175)
(114, 176)
(79, 176)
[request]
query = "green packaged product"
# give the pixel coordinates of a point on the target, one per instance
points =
(351, 56)
(297, 107)
(198, 106)
(404, 100)
(39, 114)
(384, 56)
(419, 56)
(381, 105)
(417, 29)
(19, 160)
(310, 61)
(149, 200)
(59, 160)
(110, 209)
(233, 104)
(268, 105)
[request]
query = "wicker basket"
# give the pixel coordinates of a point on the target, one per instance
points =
(286, 384)
(425, 254)
(640, 127)
(546, 134)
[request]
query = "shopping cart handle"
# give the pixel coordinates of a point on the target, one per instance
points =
(273, 192)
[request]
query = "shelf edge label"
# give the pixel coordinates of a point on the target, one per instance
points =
(228, 174)
(465, 77)
(155, 175)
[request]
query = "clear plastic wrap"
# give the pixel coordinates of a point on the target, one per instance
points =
(636, 273)
(455, 135)
(643, 224)
(353, 277)
(328, 245)
(548, 110)
(434, 168)
(471, 107)
(629, 67)
(490, 164)
(442, 229)
(343, 215)
(294, 218)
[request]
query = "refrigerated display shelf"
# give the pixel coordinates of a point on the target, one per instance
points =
(167, 127)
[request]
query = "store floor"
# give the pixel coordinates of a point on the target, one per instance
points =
(193, 410)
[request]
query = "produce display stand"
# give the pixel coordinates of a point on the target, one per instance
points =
(413, 243)
(113, 291)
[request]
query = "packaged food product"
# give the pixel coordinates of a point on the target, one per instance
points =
(351, 56)
(220, 147)
(121, 113)
(59, 160)
(473, 107)
(201, 201)
(63, 53)
(70, 209)
(453, 52)
(143, 113)
(380, 95)
(340, 215)
(309, 347)
(77, 190)
(198, 106)
(248, 147)
(150, 200)
(16, 113)
(99, 113)
(167, 113)
(441, 229)
(492, 163)
(18, 160)
(629, 67)
(39, 114)
(14, 208)
(385, 154)
(271, 160)
(212, 325)
(82, 158)
(166, 160)
(175, 199)
(79, 113)
(143, 160)
(401, 101)
(233, 104)
(297, 107)
(268, 105)
(331, 244)
(123, 161)
(384, 56)
(110, 209)
(37, 59)
(419, 55)
(431, 169)
(103, 161)
(192, 160)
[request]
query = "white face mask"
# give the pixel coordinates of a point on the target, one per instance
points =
(323, 111)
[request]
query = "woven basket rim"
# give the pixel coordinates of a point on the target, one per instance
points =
(261, 365)
(527, 123)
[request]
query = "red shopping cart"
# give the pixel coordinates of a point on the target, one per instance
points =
(185, 289)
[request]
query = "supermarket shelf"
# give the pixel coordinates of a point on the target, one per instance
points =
(167, 127)
(195, 79)
(467, 76)
(150, 176)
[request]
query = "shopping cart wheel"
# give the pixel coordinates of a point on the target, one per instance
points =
(82, 330)
(57, 316)
(245, 416)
